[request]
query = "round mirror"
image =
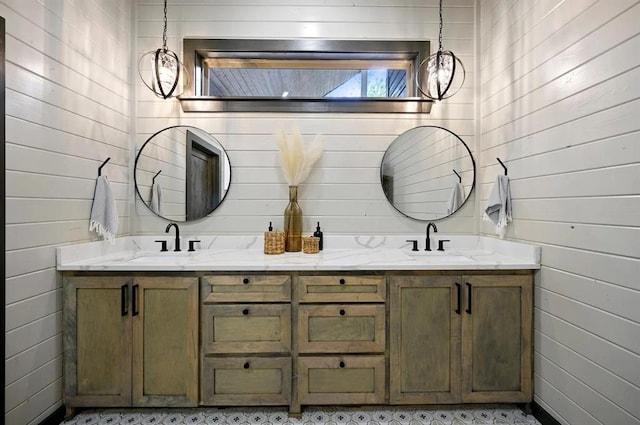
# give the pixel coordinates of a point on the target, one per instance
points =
(427, 173)
(182, 173)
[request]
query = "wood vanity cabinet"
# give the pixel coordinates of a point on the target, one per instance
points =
(130, 341)
(245, 339)
(297, 338)
(460, 339)
(341, 334)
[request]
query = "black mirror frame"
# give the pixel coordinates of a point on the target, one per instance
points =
(473, 184)
(135, 180)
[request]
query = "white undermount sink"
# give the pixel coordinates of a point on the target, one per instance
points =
(170, 259)
(432, 257)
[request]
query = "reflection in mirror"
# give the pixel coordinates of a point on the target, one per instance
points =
(182, 173)
(427, 173)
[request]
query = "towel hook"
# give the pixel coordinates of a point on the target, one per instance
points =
(103, 164)
(503, 166)
(153, 181)
(459, 178)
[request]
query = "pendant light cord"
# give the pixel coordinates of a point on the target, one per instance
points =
(164, 32)
(439, 34)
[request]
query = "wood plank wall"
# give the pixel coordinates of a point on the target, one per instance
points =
(560, 101)
(344, 191)
(68, 108)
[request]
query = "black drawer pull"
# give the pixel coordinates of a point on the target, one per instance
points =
(134, 300)
(246, 365)
(342, 364)
(245, 280)
(342, 282)
(459, 305)
(245, 311)
(470, 292)
(124, 299)
(342, 312)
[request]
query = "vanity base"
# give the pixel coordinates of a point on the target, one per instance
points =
(300, 339)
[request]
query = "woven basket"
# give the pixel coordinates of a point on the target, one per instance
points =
(273, 243)
(310, 244)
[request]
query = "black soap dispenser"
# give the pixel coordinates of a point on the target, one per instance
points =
(318, 234)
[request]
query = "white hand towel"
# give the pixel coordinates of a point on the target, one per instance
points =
(498, 210)
(104, 213)
(156, 199)
(456, 199)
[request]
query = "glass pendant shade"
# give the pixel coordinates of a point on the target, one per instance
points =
(161, 69)
(441, 75)
(165, 70)
(444, 75)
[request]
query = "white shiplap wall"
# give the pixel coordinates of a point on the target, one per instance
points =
(68, 108)
(560, 101)
(344, 191)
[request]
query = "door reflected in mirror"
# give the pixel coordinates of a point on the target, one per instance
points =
(427, 173)
(182, 173)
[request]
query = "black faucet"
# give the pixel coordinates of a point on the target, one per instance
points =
(428, 241)
(177, 244)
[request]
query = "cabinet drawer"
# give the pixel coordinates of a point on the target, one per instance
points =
(341, 328)
(235, 381)
(246, 328)
(341, 288)
(341, 380)
(245, 288)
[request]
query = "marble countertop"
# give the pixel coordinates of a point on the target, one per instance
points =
(341, 253)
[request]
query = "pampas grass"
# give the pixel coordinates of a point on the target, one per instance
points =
(296, 159)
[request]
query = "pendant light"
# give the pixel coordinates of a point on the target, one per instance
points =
(442, 72)
(166, 69)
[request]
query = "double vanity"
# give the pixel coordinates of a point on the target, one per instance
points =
(366, 321)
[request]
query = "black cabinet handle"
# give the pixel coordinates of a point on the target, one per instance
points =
(342, 281)
(134, 300)
(459, 291)
(246, 365)
(124, 299)
(342, 364)
(245, 280)
(245, 311)
(342, 312)
(469, 292)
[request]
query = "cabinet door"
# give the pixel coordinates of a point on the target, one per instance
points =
(246, 328)
(97, 334)
(246, 381)
(165, 341)
(496, 339)
(341, 328)
(246, 288)
(342, 288)
(341, 380)
(425, 340)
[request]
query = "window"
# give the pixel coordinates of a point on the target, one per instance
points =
(303, 76)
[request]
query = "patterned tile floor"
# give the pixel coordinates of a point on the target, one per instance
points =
(310, 416)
